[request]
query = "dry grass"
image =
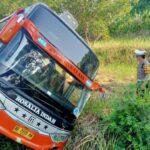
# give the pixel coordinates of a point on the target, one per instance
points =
(117, 44)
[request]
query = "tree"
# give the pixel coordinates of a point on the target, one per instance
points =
(96, 16)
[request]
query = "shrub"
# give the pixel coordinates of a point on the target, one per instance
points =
(130, 122)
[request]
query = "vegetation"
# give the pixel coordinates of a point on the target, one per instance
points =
(98, 19)
(130, 122)
(113, 28)
(120, 123)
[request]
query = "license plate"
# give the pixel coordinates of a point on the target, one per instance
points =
(23, 132)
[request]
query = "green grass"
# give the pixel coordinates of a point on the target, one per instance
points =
(90, 130)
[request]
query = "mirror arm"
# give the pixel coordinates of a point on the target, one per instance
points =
(97, 87)
(101, 89)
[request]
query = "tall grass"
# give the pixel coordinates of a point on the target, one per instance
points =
(120, 50)
(91, 130)
(118, 62)
(90, 137)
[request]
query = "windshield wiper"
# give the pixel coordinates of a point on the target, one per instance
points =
(8, 88)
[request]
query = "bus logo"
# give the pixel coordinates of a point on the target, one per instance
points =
(31, 120)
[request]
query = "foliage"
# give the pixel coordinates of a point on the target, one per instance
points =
(130, 122)
(98, 19)
(136, 23)
(95, 16)
(141, 5)
(132, 26)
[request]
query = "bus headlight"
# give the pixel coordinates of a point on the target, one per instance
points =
(59, 137)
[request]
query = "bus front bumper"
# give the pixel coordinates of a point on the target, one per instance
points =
(23, 135)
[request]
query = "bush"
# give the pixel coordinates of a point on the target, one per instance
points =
(130, 122)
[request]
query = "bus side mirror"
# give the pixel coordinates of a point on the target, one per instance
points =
(102, 90)
(69, 19)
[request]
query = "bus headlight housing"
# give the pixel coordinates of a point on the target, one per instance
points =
(59, 137)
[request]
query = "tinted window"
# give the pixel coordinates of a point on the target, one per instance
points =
(65, 40)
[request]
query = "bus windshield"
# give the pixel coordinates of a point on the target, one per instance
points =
(21, 58)
(65, 40)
